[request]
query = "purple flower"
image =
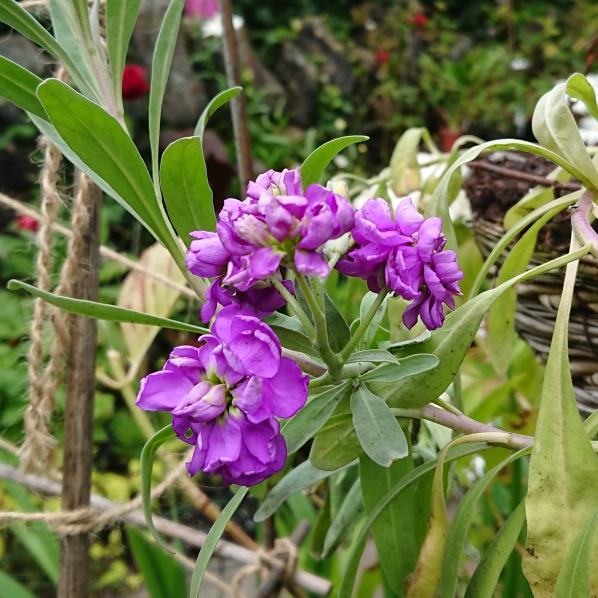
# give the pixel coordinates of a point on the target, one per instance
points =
(208, 257)
(405, 255)
(225, 396)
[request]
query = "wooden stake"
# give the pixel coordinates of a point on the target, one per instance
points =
(80, 388)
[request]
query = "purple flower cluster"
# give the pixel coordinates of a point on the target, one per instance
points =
(405, 255)
(225, 395)
(277, 225)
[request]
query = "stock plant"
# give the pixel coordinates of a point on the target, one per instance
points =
(263, 383)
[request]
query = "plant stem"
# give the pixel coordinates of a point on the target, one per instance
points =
(297, 309)
(321, 344)
(363, 326)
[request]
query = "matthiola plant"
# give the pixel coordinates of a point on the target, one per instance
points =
(280, 370)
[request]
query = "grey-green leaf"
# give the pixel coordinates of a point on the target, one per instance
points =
(161, 62)
(372, 329)
(212, 539)
(216, 102)
(378, 431)
(459, 527)
(290, 333)
(102, 311)
(101, 143)
(393, 372)
(296, 480)
(574, 578)
(372, 356)
(121, 16)
(147, 464)
(308, 421)
(485, 578)
(187, 194)
(315, 164)
(19, 86)
(336, 444)
(350, 512)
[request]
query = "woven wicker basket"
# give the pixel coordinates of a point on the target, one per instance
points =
(537, 305)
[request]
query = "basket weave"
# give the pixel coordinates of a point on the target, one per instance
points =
(536, 310)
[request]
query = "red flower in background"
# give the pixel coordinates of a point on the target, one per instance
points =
(382, 57)
(419, 19)
(27, 223)
(135, 85)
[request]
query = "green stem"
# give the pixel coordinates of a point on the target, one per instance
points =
(321, 331)
(363, 326)
(292, 302)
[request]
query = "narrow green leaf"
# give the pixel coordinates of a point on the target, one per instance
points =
(296, 480)
(338, 330)
(121, 16)
(563, 471)
(216, 102)
(405, 173)
(336, 445)
(350, 512)
(102, 311)
(574, 579)
(162, 574)
(379, 433)
(11, 588)
(216, 531)
(393, 372)
(100, 141)
(308, 421)
(19, 86)
(370, 333)
(161, 63)
(147, 465)
(451, 342)
(316, 542)
(555, 128)
(187, 194)
(394, 529)
(290, 333)
(315, 164)
(373, 356)
(453, 453)
(485, 578)
(501, 316)
(459, 527)
(18, 18)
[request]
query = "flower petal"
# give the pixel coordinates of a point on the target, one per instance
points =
(311, 263)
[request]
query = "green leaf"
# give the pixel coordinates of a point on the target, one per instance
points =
(297, 479)
(18, 18)
(457, 534)
(162, 575)
(147, 464)
(372, 356)
(316, 542)
(378, 431)
(574, 578)
(308, 421)
(554, 127)
(350, 512)
(100, 141)
(372, 329)
(11, 588)
(405, 173)
(187, 194)
(290, 333)
(453, 453)
(394, 529)
(451, 342)
(393, 372)
(563, 471)
(161, 63)
(485, 578)
(213, 537)
(338, 330)
(315, 164)
(102, 311)
(580, 88)
(501, 316)
(19, 86)
(216, 102)
(336, 444)
(121, 16)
